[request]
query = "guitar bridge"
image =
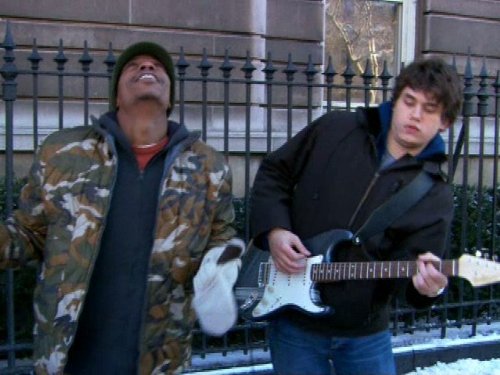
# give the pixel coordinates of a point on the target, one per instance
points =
(249, 302)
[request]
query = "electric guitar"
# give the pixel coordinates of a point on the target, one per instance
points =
(298, 291)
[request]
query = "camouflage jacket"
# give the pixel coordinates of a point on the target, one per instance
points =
(60, 220)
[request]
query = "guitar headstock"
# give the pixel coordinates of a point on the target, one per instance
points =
(478, 271)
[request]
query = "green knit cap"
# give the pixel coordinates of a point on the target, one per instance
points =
(143, 48)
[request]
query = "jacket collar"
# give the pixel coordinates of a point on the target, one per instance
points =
(107, 125)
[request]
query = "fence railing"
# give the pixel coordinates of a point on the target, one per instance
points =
(246, 108)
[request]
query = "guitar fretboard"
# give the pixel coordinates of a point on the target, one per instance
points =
(326, 272)
(338, 271)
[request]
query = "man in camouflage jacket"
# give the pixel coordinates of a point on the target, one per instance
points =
(119, 214)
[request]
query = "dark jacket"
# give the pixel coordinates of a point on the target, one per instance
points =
(328, 177)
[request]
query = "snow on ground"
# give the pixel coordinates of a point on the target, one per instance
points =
(461, 367)
(466, 366)
(419, 341)
(454, 337)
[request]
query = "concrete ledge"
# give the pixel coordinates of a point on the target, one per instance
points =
(409, 360)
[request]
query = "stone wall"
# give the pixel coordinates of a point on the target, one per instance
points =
(457, 28)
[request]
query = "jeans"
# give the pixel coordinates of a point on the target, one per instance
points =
(295, 351)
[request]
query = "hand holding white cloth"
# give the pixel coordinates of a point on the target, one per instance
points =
(214, 301)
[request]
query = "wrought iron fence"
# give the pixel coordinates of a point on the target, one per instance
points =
(246, 112)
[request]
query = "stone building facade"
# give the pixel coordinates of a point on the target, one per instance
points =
(240, 29)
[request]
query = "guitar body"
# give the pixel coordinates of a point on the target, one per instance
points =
(297, 291)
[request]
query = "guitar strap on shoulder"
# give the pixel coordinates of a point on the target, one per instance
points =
(397, 205)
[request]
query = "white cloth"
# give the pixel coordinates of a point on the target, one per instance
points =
(214, 301)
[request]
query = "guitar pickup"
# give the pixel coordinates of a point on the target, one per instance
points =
(263, 275)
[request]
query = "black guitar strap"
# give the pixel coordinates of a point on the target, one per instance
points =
(399, 203)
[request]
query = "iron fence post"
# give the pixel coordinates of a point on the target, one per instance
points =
(9, 73)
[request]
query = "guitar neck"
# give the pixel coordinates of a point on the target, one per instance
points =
(338, 271)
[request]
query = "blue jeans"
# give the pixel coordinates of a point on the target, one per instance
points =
(295, 351)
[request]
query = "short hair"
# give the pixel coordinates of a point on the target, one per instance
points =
(433, 76)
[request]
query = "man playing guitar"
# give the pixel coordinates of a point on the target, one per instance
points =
(332, 175)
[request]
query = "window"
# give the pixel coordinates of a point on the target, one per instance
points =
(378, 30)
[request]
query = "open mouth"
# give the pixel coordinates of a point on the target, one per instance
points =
(147, 77)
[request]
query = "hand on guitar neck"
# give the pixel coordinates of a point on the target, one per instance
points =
(428, 281)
